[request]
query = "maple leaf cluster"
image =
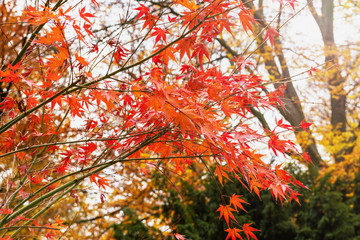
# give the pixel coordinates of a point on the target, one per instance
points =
(177, 106)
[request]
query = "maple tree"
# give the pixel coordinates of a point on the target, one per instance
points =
(333, 85)
(334, 180)
(82, 105)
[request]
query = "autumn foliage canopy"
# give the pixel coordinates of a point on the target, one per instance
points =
(77, 106)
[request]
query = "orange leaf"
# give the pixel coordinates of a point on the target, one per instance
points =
(226, 211)
(293, 196)
(220, 172)
(186, 3)
(249, 231)
(166, 54)
(75, 107)
(81, 60)
(102, 182)
(236, 201)
(37, 179)
(179, 236)
(200, 50)
(93, 178)
(246, 18)
(37, 17)
(233, 233)
(307, 158)
(78, 33)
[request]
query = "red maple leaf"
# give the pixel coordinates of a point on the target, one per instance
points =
(190, 19)
(282, 174)
(159, 33)
(62, 169)
(278, 190)
(37, 179)
(6, 211)
(292, 2)
(249, 231)
(85, 15)
(225, 23)
(246, 18)
(166, 54)
(233, 233)
(221, 172)
(200, 50)
(270, 35)
(299, 183)
(81, 60)
(8, 103)
(312, 70)
(226, 211)
(79, 33)
(86, 27)
(293, 196)
(185, 45)
(282, 146)
(75, 107)
(280, 123)
(143, 10)
(96, 4)
(32, 101)
(150, 20)
(304, 125)
(241, 62)
(179, 236)
(6, 238)
(37, 17)
(307, 158)
(236, 201)
(171, 19)
(120, 53)
(102, 182)
(186, 3)
(93, 178)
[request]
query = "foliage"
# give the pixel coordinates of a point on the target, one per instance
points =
(85, 110)
(133, 228)
(324, 213)
(325, 90)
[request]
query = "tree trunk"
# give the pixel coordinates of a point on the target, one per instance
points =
(293, 112)
(325, 22)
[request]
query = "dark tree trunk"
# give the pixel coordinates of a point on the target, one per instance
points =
(325, 22)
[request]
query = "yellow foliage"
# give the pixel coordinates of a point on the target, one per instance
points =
(345, 170)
